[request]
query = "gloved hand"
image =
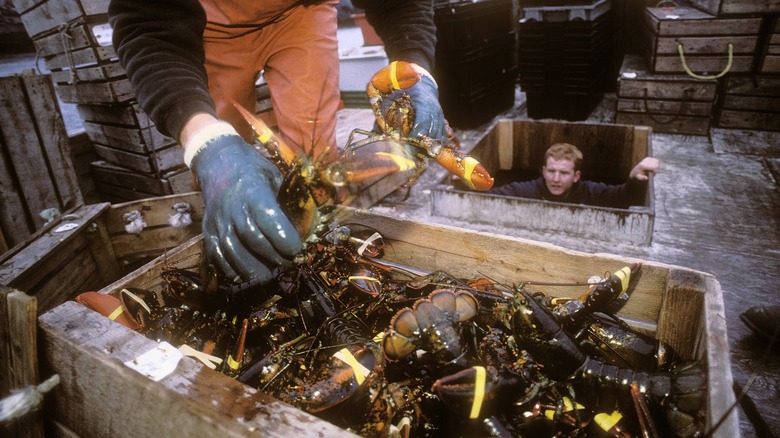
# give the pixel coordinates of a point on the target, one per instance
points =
(424, 98)
(245, 232)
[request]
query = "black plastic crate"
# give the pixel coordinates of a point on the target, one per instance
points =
(562, 106)
(471, 69)
(466, 110)
(465, 24)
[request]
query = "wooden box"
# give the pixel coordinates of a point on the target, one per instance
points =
(669, 103)
(119, 184)
(681, 306)
(734, 7)
(770, 62)
(514, 150)
(40, 17)
(89, 247)
(750, 102)
(36, 170)
(703, 39)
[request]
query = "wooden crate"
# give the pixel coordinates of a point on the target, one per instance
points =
(669, 103)
(734, 7)
(89, 247)
(160, 161)
(119, 184)
(40, 17)
(770, 62)
(512, 149)
(681, 306)
(704, 39)
(36, 171)
(129, 114)
(750, 102)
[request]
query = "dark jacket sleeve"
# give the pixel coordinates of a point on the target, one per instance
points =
(406, 27)
(160, 45)
(616, 196)
(520, 189)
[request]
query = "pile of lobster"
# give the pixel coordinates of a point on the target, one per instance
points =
(373, 348)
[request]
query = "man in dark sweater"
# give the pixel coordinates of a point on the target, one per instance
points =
(189, 60)
(560, 182)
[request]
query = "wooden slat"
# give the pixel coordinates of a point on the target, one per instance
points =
(77, 35)
(752, 103)
(21, 317)
(49, 15)
(142, 141)
(749, 120)
(93, 348)
(667, 123)
(105, 72)
(88, 56)
(117, 91)
(53, 138)
(707, 45)
(665, 107)
(24, 149)
(15, 223)
(688, 21)
(156, 211)
(111, 174)
(129, 114)
(737, 7)
(161, 161)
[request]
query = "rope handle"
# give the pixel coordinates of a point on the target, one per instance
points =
(681, 51)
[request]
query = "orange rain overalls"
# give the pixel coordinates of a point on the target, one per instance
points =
(297, 51)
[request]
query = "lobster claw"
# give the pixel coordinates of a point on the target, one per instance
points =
(545, 339)
(401, 339)
(476, 390)
(108, 306)
(335, 381)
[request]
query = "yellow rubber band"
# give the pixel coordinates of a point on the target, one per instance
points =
(469, 164)
(362, 277)
(115, 314)
(625, 277)
(393, 77)
(479, 392)
(265, 136)
(348, 358)
(379, 336)
(607, 421)
(232, 362)
(403, 163)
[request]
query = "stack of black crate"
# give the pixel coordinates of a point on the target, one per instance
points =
(564, 55)
(475, 60)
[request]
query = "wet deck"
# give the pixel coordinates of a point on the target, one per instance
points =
(717, 211)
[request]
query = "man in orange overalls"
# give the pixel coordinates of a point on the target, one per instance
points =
(188, 60)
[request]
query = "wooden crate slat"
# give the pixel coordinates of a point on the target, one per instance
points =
(668, 107)
(77, 35)
(705, 45)
(120, 176)
(70, 279)
(754, 103)
(736, 7)
(667, 123)
(85, 57)
(161, 161)
(24, 149)
(753, 85)
(749, 120)
(15, 224)
(98, 73)
(688, 21)
(156, 211)
(703, 65)
(129, 114)
(137, 140)
(96, 92)
(49, 15)
(53, 136)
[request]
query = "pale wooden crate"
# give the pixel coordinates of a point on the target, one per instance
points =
(682, 307)
(36, 170)
(704, 38)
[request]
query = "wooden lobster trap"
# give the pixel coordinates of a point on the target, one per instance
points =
(669, 103)
(686, 40)
(680, 306)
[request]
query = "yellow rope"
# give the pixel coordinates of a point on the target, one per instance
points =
(680, 50)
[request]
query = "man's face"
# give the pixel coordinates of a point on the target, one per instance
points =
(559, 175)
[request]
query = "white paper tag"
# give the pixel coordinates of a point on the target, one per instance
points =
(103, 34)
(629, 75)
(66, 227)
(157, 362)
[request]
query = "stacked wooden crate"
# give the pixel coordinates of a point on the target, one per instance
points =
(74, 39)
(36, 171)
(692, 57)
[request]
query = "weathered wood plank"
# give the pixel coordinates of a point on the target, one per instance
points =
(129, 114)
(161, 161)
(88, 56)
(23, 340)
(688, 21)
(89, 350)
(117, 91)
(754, 103)
(156, 211)
(49, 15)
(749, 120)
(735, 7)
(111, 174)
(15, 224)
(77, 35)
(666, 107)
(141, 141)
(105, 72)
(667, 123)
(53, 139)
(24, 149)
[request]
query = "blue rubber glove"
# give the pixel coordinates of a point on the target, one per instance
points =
(245, 232)
(429, 117)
